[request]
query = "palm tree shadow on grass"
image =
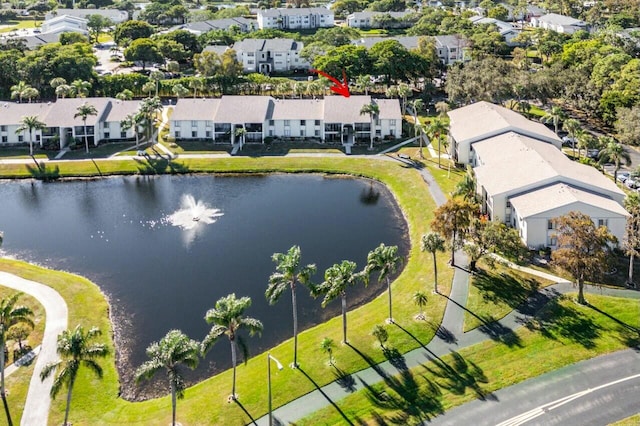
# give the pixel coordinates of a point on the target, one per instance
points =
(430, 354)
(253, 421)
(319, 389)
(504, 288)
(556, 321)
(374, 365)
(395, 358)
(43, 172)
(408, 401)
(628, 334)
(459, 375)
(155, 166)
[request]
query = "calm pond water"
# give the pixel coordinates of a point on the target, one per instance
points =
(119, 233)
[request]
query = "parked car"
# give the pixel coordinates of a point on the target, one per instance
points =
(567, 141)
(623, 176)
(632, 183)
(593, 153)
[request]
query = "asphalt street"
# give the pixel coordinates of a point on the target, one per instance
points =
(593, 392)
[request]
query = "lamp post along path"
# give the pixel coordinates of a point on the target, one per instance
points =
(269, 359)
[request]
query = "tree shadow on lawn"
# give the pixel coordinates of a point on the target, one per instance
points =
(558, 320)
(628, 334)
(504, 287)
(245, 411)
(155, 166)
(43, 172)
(408, 401)
(319, 389)
(344, 379)
(459, 375)
(374, 365)
(395, 358)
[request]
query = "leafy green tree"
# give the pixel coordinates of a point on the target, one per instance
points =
(180, 91)
(228, 319)
(75, 349)
(132, 30)
(433, 243)
(83, 112)
(125, 95)
(613, 152)
(172, 351)
(385, 260)
(452, 221)
(436, 129)
(583, 250)
(150, 108)
(354, 60)
(63, 91)
(143, 50)
(96, 23)
(81, 88)
(420, 299)
(18, 90)
(133, 121)
(628, 125)
(572, 126)
(30, 123)
(337, 279)
(10, 315)
(289, 272)
(372, 109)
(466, 188)
(69, 38)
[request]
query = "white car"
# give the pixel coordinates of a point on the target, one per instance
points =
(623, 176)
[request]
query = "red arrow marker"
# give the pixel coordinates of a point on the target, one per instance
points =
(340, 87)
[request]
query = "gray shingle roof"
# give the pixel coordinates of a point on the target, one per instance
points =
(62, 111)
(297, 109)
(195, 109)
(243, 109)
(556, 19)
(120, 109)
(338, 109)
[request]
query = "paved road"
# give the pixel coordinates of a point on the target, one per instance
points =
(593, 392)
(36, 409)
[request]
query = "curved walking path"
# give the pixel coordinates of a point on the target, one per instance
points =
(36, 408)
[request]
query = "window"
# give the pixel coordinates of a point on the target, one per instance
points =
(106, 125)
(301, 132)
(177, 135)
(107, 135)
(209, 124)
(194, 133)
(3, 128)
(303, 122)
(287, 131)
(250, 62)
(392, 123)
(551, 224)
(271, 133)
(317, 122)
(123, 135)
(316, 133)
(508, 204)
(20, 138)
(208, 133)
(194, 123)
(270, 122)
(603, 222)
(287, 122)
(4, 139)
(177, 125)
(552, 241)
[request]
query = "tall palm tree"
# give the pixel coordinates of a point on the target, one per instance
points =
(10, 315)
(63, 91)
(57, 82)
(613, 152)
(404, 91)
(155, 77)
(416, 105)
(442, 108)
(384, 259)
(585, 140)
(180, 91)
(125, 95)
(555, 115)
(337, 279)
(228, 319)
(632, 234)
(433, 243)
(83, 112)
(17, 90)
(30, 123)
(436, 129)
(363, 82)
(420, 299)
(172, 351)
(466, 188)
(30, 93)
(372, 109)
(196, 84)
(289, 272)
(133, 121)
(75, 350)
(150, 107)
(572, 126)
(81, 88)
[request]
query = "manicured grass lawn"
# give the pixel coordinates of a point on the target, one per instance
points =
(35, 337)
(205, 403)
(571, 333)
(23, 152)
(629, 421)
(197, 147)
(497, 290)
(19, 24)
(100, 151)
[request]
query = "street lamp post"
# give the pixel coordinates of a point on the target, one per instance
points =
(269, 359)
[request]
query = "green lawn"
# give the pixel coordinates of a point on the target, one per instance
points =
(564, 334)
(97, 403)
(629, 421)
(18, 25)
(35, 337)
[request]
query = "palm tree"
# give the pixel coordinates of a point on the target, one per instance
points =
(384, 259)
(288, 273)
(336, 280)
(227, 319)
(149, 107)
(63, 91)
(169, 354)
(30, 123)
(57, 82)
(420, 299)
(81, 88)
(133, 121)
(613, 152)
(416, 105)
(467, 186)
(585, 140)
(155, 77)
(363, 82)
(30, 93)
(10, 315)
(435, 129)
(403, 92)
(196, 84)
(442, 108)
(572, 126)
(17, 90)
(433, 243)
(75, 349)
(555, 115)
(180, 91)
(373, 110)
(149, 87)
(327, 347)
(239, 134)
(632, 233)
(83, 112)
(125, 95)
